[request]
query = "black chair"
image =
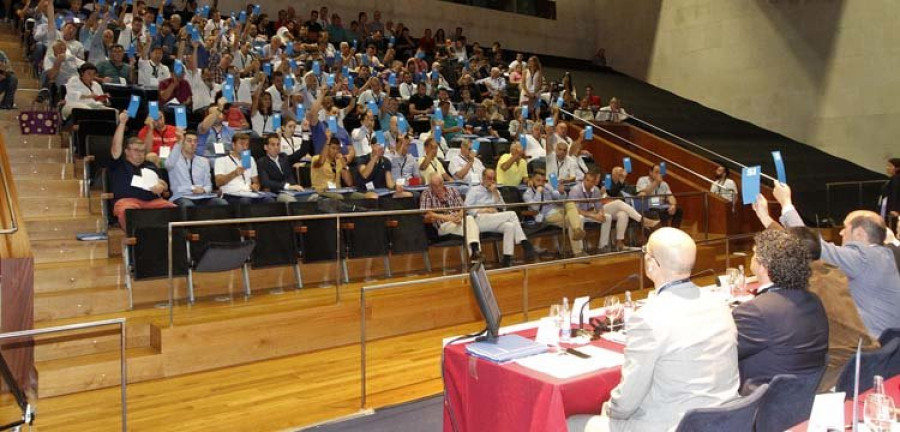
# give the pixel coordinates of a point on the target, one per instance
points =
(316, 239)
(447, 241)
(888, 334)
(106, 201)
(90, 126)
(404, 233)
(276, 245)
(734, 416)
(788, 401)
(257, 147)
(216, 248)
(145, 248)
(364, 236)
(96, 158)
(884, 361)
(513, 195)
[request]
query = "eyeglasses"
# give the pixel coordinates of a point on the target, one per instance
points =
(646, 252)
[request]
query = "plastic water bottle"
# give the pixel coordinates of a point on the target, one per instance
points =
(628, 308)
(566, 330)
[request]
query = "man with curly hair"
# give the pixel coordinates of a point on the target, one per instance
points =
(784, 329)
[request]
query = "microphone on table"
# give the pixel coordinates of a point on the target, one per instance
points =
(628, 278)
(703, 272)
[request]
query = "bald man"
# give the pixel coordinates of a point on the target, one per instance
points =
(680, 351)
(872, 273)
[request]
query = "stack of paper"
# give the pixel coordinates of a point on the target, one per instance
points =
(565, 366)
(147, 180)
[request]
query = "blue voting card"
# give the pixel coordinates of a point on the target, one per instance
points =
(560, 102)
(392, 40)
(402, 126)
(372, 106)
(180, 117)
(289, 83)
(329, 81)
(437, 135)
(133, 106)
(355, 44)
(289, 48)
(317, 69)
(153, 109)
(523, 141)
(434, 75)
(476, 145)
(524, 111)
(276, 121)
(179, 67)
(101, 2)
(554, 180)
(332, 124)
(242, 18)
(420, 55)
(379, 137)
(350, 83)
(365, 59)
(662, 168)
(588, 133)
(461, 121)
(607, 182)
(159, 20)
(293, 64)
(228, 93)
(549, 121)
(130, 52)
(345, 71)
(152, 29)
(257, 9)
(204, 11)
(267, 68)
(246, 157)
(750, 183)
(59, 21)
(626, 163)
(229, 79)
(300, 113)
(779, 166)
(414, 149)
(438, 114)
(392, 79)
(195, 35)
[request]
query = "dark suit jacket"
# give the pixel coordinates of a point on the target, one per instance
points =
(781, 332)
(273, 179)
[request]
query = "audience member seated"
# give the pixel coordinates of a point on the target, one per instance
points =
(681, 349)
(60, 66)
(584, 110)
(189, 174)
(722, 185)
(562, 216)
(362, 136)
(374, 172)
(845, 327)
(84, 92)
(495, 84)
(562, 165)
(619, 184)
(330, 169)
(150, 69)
(612, 113)
(215, 136)
(536, 143)
(466, 166)
(784, 329)
(175, 90)
(239, 185)
(276, 172)
(494, 220)
(115, 70)
(404, 166)
(512, 169)
(870, 266)
(430, 164)
(657, 190)
(450, 222)
(593, 211)
(135, 183)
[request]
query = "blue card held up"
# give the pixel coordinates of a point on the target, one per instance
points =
(133, 106)
(379, 137)
(153, 109)
(662, 169)
(402, 126)
(438, 114)
(554, 180)
(525, 111)
(372, 106)
(246, 157)
(626, 162)
(607, 182)
(779, 166)
(180, 117)
(549, 121)
(300, 113)
(332, 124)
(589, 133)
(523, 141)
(750, 184)
(476, 145)
(276, 121)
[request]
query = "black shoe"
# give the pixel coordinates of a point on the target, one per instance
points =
(530, 254)
(506, 261)
(475, 257)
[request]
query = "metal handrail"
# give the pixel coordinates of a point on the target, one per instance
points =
(697, 146)
(81, 326)
(9, 202)
(523, 268)
(338, 216)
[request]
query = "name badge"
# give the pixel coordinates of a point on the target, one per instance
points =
(331, 185)
(401, 181)
(219, 148)
(164, 152)
(370, 186)
(654, 202)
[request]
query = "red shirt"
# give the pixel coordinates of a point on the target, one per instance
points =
(166, 137)
(183, 92)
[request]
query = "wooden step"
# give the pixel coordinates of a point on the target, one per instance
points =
(33, 207)
(61, 228)
(77, 275)
(27, 155)
(70, 249)
(49, 188)
(89, 372)
(91, 341)
(79, 303)
(44, 171)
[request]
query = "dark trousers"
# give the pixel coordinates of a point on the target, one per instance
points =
(663, 216)
(8, 86)
(247, 200)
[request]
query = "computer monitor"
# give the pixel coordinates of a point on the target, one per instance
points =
(484, 294)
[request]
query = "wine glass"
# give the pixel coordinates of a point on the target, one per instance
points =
(731, 275)
(557, 316)
(613, 308)
(878, 412)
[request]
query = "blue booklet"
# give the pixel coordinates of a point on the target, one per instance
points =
(750, 184)
(246, 159)
(506, 348)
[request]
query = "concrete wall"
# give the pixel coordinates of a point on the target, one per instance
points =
(570, 35)
(822, 72)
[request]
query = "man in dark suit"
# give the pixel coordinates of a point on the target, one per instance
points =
(784, 329)
(276, 172)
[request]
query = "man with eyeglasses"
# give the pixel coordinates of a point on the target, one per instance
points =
(493, 219)
(681, 349)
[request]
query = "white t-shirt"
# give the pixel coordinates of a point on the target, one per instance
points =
(727, 189)
(149, 75)
(75, 89)
(227, 164)
(361, 138)
(474, 176)
(262, 124)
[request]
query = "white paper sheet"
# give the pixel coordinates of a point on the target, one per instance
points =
(565, 366)
(827, 412)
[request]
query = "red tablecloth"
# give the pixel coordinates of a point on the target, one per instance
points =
(487, 396)
(891, 387)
